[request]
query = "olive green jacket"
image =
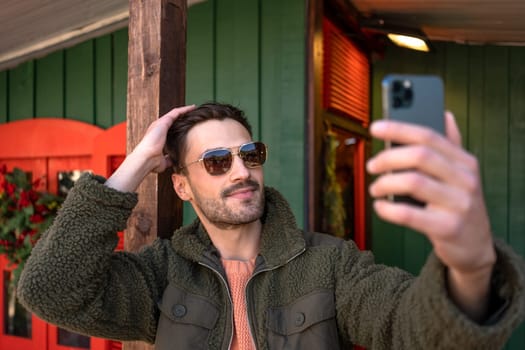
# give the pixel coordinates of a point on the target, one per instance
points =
(308, 290)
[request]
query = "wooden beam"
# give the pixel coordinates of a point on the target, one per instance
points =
(156, 83)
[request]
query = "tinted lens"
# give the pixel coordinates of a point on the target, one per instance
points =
(253, 154)
(217, 162)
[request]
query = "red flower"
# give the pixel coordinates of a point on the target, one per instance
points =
(36, 218)
(33, 196)
(19, 211)
(24, 200)
(32, 232)
(40, 208)
(20, 240)
(10, 188)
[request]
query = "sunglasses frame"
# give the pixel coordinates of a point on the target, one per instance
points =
(233, 154)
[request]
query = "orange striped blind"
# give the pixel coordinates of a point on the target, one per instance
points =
(346, 75)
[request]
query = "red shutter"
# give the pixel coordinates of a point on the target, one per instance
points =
(346, 75)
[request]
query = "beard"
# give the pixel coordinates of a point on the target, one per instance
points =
(224, 214)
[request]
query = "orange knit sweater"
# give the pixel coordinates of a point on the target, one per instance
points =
(238, 273)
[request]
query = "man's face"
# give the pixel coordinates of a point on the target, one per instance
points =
(230, 199)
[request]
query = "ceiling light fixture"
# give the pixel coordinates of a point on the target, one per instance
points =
(408, 41)
(410, 38)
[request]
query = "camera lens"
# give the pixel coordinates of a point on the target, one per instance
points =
(397, 102)
(408, 94)
(397, 86)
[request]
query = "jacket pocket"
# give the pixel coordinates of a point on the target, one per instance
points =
(308, 323)
(185, 320)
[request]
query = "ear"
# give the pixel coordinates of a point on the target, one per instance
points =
(181, 187)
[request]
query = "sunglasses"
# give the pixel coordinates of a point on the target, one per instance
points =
(218, 161)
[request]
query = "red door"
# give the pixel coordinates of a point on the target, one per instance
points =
(56, 151)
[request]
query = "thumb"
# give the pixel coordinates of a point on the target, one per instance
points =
(451, 128)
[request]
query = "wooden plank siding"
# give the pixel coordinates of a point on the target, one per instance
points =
(85, 82)
(282, 100)
(516, 169)
(237, 57)
(3, 96)
(21, 91)
(103, 80)
(251, 54)
(485, 88)
(49, 85)
(80, 83)
(119, 79)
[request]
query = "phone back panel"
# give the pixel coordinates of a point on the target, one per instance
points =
(417, 99)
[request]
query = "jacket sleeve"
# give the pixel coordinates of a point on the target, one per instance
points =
(74, 278)
(381, 307)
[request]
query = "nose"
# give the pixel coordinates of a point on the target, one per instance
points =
(238, 171)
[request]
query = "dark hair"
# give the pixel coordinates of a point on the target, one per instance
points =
(176, 145)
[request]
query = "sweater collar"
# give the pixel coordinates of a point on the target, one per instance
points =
(281, 239)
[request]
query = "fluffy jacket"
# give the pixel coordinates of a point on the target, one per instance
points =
(308, 290)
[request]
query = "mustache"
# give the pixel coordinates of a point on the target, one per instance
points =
(251, 184)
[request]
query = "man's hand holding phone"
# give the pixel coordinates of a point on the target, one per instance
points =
(435, 169)
(444, 176)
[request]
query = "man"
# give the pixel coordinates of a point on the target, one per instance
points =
(243, 276)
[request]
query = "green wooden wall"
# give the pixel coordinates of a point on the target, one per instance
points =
(485, 88)
(249, 53)
(86, 82)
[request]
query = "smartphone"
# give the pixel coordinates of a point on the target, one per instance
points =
(416, 99)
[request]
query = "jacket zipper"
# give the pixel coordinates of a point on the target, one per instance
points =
(249, 306)
(229, 298)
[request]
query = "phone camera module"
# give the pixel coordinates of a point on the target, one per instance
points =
(402, 94)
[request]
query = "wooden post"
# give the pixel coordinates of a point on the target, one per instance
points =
(156, 84)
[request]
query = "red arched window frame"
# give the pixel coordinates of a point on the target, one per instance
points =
(45, 147)
(346, 95)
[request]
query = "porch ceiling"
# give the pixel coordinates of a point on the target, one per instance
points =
(463, 21)
(33, 28)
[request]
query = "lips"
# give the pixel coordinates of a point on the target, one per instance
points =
(241, 190)
(244, 192)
